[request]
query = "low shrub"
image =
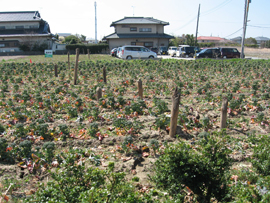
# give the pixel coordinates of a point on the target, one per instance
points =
(202, 170)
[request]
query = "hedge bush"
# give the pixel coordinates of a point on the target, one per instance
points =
(201, 169)
(93, 48)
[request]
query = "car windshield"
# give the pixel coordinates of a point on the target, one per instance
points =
(163, 48)
(202, 51)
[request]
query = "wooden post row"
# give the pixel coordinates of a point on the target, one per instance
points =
(68, 62)
(140, 89)
(76, 66)
(174, 112)
(88, 53)
(55, 70)
(104, 75)
(99, 93)
(224, 107)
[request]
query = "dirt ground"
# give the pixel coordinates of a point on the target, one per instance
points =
(11, 57)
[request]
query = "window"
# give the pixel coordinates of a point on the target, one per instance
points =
(148, 44)
(33, 26)
(145, 29)
(2, 27)
(2, 45)
(133, 29)
(125, 25)
(19, 27)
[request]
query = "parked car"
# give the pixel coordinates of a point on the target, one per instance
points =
(136, 52)
(209, 53)
(113, 52)
(154, 50)
(119, 52)
(229, 53)
(162, 50)
(172, 51)
(187, 51)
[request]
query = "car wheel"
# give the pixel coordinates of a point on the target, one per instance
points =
(151, 57)
(129, 57)
(224, 57)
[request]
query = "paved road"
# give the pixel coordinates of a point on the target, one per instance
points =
(177, 58)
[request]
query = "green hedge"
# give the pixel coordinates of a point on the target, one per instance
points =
(93, 48)
(252, 45)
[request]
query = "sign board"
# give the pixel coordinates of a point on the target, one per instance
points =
(48, 53)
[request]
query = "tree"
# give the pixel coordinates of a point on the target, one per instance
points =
(82, 38)
(251, 40)
(72, 38)
(190, 40)
(177, 40)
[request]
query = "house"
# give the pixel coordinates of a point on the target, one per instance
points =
(24, 28)
(144, 31)
(261, 40)
(204, 39)
(237, 40)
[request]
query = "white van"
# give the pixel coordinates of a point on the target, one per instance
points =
(180, 50)
(136, 52)
(172, 51)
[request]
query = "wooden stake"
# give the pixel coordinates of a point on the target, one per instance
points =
(55, 70)
(174, 112)
(224, 107)
(99, 93)
(76, 66)
(104, 75)
(140, 89)
(68, 62)
(88, 53)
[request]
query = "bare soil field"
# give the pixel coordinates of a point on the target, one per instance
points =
(45, 119)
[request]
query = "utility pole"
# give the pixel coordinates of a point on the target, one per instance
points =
(247, 2)
(95, 22)
(197, 24)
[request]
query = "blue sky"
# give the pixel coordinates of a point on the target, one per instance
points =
(223, 18)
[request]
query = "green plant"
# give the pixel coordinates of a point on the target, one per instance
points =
(154, 144)
(77, 183)
(260, 158)
(202, 170)
(25, 149)
(2, 129)
(93, 129)
(49, 148)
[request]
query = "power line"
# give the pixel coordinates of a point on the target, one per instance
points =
(216, 8)
(185, 24)
(257, 26)
(234, 33)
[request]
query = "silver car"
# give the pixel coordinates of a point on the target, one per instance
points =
(136, 52)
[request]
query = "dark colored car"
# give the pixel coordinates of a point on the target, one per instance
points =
(114, 52)
(189, 51)
(209, 53)
(162, 51)
(229, 53)
(154, 50)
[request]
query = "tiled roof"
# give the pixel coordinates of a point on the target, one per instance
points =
(139, 20)
(44, 28)
(19, 16)
(125, 36)
(210, 38)
(262, 38)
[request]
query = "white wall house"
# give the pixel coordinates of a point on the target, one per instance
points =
(23, 27)
(144, 31)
